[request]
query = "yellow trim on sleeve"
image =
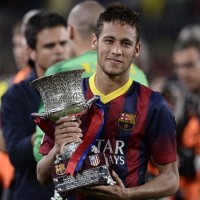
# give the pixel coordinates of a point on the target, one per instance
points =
(109, 97)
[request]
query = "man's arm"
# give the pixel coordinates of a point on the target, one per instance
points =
(43, 168)
(66, 131)
(165, 184)
(17, 129)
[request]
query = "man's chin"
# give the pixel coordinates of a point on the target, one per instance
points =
(112, 75)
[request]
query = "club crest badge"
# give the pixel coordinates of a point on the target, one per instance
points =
(94, 160)
(127, 121)
(60, 169)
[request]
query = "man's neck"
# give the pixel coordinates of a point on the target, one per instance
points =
(40, 72)
(107, 85)
(82, 47)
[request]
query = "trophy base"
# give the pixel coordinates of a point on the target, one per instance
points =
(94, 172)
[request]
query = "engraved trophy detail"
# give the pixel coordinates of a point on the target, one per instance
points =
(62, 96)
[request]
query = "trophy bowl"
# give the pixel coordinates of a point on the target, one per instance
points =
(62, 96)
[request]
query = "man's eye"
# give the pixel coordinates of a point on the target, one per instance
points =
(126, 44)
(63, 43)
(109, 41)
(49, 46)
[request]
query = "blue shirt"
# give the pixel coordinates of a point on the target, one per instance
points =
(18, 103)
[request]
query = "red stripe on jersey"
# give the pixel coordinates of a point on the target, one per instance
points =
(115, 108)
(142, 108)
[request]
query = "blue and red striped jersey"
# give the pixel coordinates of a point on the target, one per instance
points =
(138, 123)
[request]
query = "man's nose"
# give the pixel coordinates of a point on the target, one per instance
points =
(59, 49)
(116, 49)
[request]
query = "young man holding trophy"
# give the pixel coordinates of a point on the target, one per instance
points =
(133, 123)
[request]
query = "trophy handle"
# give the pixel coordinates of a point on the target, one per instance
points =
(76, 110)
(92, 100)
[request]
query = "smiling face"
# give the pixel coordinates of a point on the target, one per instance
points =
(116, 49)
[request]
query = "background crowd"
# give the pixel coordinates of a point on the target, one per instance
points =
(160, 23)
(170, 58)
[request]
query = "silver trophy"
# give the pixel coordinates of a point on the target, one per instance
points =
(62, 96)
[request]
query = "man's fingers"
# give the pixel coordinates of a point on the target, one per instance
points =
(117, 179)
(66, 119)
(67, 124)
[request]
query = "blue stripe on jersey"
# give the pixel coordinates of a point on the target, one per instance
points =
(114, 137)
(129, 150)
(166, 139)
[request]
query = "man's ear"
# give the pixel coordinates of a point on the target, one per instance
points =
(137, 50)
(70, 31)
(94, 41)
(31, 54)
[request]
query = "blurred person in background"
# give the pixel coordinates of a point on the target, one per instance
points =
(82, 21)
(24, 68)
(190, 31)
(6, 171)
(182, 91)
(186, 59)
(22, 61)
(20, 53)
(46, 36)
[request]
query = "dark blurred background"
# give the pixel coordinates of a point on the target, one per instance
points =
(161, 21)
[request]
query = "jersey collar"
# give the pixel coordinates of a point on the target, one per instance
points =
(109, 97)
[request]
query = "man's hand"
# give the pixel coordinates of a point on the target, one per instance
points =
(66, 131)
(114, 192)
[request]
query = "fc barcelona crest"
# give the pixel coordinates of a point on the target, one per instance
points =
(127, 121)
(60, 169)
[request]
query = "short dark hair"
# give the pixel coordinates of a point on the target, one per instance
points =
(119, 12)
(182, 44)
(40, 21)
